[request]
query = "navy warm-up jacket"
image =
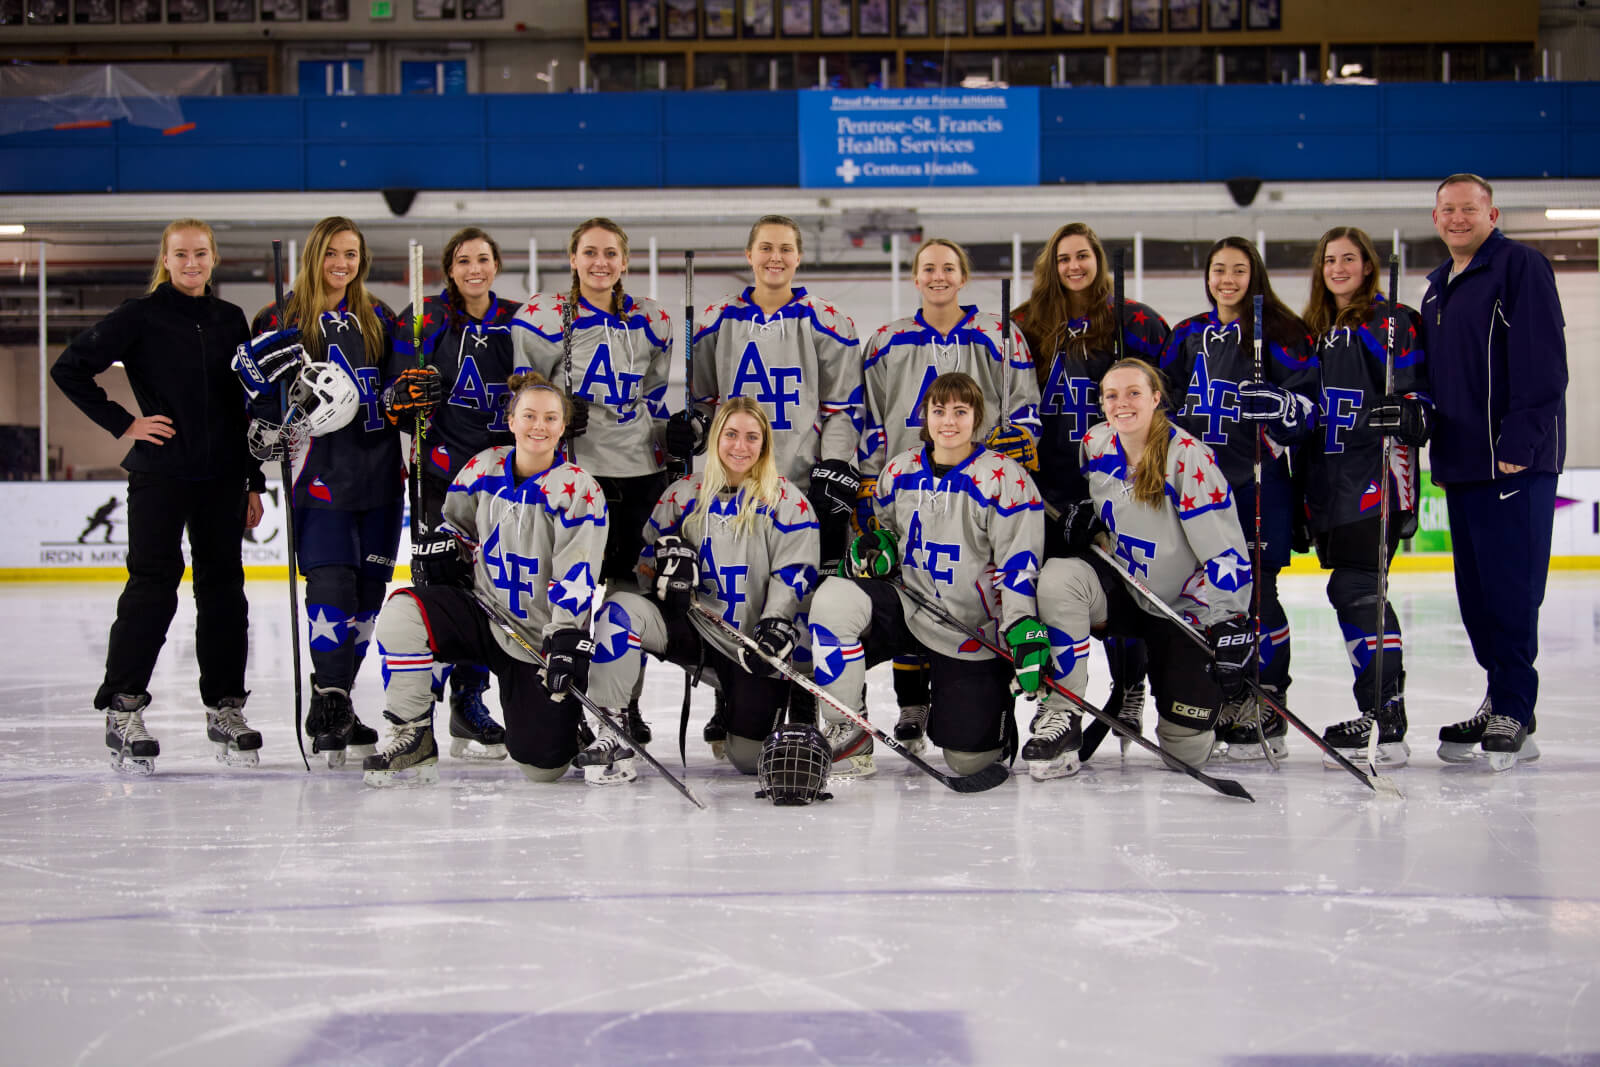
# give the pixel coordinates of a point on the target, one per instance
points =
(1498, 363)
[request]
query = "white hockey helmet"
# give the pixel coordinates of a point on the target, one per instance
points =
(324, 398)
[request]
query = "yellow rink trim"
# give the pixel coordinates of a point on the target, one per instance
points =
(1405, 563)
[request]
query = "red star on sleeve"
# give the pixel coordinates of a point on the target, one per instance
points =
(1022, 483)
(997, 474)
(1181, 466)
(830, 309)
(471, 467)
(569, 489)
(1218, 495)
(804, 507)
(1186, 504)
(1185, 442)
(663, 314)
(1139, 318)
(884, 328)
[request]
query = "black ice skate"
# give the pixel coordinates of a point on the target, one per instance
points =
(1052, 751)
(1504, 740)
(237, 744)
(331, 722)
(715, 733)
(410, 757)
(1460, 742)
(634, 723)
(1129, 711)
(474, 735)
(1353, 736)
(1240, 736)
(607, 761)
(133, 750)
(912, 729)
(363, 740)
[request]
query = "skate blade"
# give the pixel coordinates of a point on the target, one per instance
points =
(359, 752)
(1392, 754)
(420, 774)
(851, 767)
(1044, 770)
(229, 756)
(468, 749)
(619, 773)
(1250, 753)
(719, 750)
(137, 766)
(1466, 752)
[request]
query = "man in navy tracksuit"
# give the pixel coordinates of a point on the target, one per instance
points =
(1499, 363)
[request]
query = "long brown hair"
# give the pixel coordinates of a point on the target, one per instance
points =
(1279, 323)
(603, 223)
(1322, 310)
(161, 275)
(455, 304)
(1150, 479)
(952, 387)
(311, 292)
(1048, 309)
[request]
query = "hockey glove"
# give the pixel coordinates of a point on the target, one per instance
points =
(566, 662)
(579, 425)
(776, 637)
(866, 519)
(260, 362)
(1080, 525)
(1233, 652)
(1404, 417)
(686, 435)
(1014, 442)
(875, 554)
(417, 391)
(1283, 413)
(441, 558)
(677, 572)
(834, 485)
(1030, 654)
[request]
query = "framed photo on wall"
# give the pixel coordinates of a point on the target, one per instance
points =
(1106, 16)
(140, 11)
(1223, 15)
(1183, 16)
(949, 18)
(683, 20)
(605, 20)
(1066, 16)
(796, 18)
(644, 20)
(913, 18)
(1144, 16)
(872, 18)
(834, 18)
(758, 18)
(988, 17)
(1264, 15)
(1027, 17)
(721, 21)
(104, 12)
(325, 10)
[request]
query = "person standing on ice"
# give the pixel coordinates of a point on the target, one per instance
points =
(188, 468)
(1499, 360)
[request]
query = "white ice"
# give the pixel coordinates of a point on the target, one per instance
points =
(231, 916)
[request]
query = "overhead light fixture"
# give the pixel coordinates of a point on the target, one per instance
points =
(1572, 214)
(11, 229)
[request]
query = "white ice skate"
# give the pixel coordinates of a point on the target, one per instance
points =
(608, 761)
(852, 750)
(237, 744)
(133, 750)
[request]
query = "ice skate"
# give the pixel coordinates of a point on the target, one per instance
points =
(852, 749)
(715, 733)
(331, 723)
(1052, 751)
(363, 740)
(912, 728)
(237, 744)
(474, 735)
(638, 730)
(607, 761)
(1243, 743)
(1504, 742)
(1352, 736)
(1459, 742)
(410, 758)
(133, 750)
(1129, 711)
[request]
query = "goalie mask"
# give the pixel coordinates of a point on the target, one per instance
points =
(324, 398)
(793, 766)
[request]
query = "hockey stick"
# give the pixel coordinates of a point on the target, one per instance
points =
(1376, 782)
(288, 511)
(1005, 352)
(689, 676)
(569, 315)
(994, 774)
(419, 430)
(1225, 786)
(1255, 544)
(1387, 452)
(498, 616)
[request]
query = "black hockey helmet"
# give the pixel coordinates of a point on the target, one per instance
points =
(794, 765)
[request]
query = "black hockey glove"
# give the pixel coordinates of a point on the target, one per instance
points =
(677, 572)
(1283, 413)
(566, 662)
(441, 558)
(776, 637)
(417, 391)
(686, 435)
(1404, 417)
(875, 554)
(264, 359)
(1080, 525)
(1233, 651)
(834, 485)
(579, 425)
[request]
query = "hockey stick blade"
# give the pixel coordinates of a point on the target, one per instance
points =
(1225, 786)
(497, 616)
(1378, 783)
(994, 774)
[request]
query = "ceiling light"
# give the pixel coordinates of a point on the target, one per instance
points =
(1572, 214)
(11, 229)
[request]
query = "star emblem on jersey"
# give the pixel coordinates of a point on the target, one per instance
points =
(613, 634)
(574, 590)
(1229, 571)
(327, 626)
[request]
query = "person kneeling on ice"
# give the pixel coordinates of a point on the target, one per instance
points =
(1166, 509)
(740, 541)
(962, 525)
(538, 524)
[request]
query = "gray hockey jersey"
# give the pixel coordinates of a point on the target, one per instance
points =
(1191, 551)
(767, 571)
(540, 541)
(904, 357)
(802, 364)
(619, 365)
(971, 539)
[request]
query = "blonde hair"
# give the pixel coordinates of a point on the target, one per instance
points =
(759, 487)
(1150, 480)
(776, 220)
(962, 258)
(1048, 309)
(602, 223)
(311, 292)
(160, 276)
(1322, 310)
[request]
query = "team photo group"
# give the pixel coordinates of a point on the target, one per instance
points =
(976, 496)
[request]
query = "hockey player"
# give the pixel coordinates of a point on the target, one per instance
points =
(960, 523)
(467, 356)
(188, 467)
(1070, 319)
(1209, 363)
(524, 529)
(740, 539)
(349, 485)
(1351, 321)
(615, 366)
(1162, 496)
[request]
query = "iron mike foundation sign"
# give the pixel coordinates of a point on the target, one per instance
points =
(919, 137)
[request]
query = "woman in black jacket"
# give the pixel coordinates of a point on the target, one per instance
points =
(188, 467)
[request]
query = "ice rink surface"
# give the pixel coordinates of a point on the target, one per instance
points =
(230, 916)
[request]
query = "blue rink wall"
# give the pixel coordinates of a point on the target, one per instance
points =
(753, 139)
